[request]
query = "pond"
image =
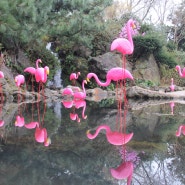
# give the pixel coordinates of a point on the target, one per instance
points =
(152, 155)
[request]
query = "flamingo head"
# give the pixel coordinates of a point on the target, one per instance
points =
(47, 70)
(39, 60)
(177, 68)
(47, 142)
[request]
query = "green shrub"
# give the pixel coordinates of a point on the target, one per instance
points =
(145, 45)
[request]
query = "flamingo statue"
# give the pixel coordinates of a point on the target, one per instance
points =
(19, 121)
(81, 95)
(172, 86)
(180, 130)
(125, 46)
(67, 92)
(40, 133)
(181, 72)
(19, 80)
(125, 170)
(114, 74)
(74, 76)
(1, 74)
(74, 116)
(1, 123)
(114, 138)
(81, 103)
(41, 73)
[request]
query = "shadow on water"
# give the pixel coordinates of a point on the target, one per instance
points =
(154, 155)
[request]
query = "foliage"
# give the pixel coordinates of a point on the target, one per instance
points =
(144, 83)
(165, 57)
(48, 59)
(145, 45)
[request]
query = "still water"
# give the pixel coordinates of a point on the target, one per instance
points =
(154, 151)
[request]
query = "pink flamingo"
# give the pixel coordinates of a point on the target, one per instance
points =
(172, 86)
(125, 170)
(40, 133)
(125, 46)
(114, 138)
(81, 95)
(19, 80)
(1, 74)
(73, 77)
(1, 123)
(181, 72)
(114, 74)
(74, 116)
(180, 130)
(67, 92)
(19, 121)
(41, 73)
(81, 103)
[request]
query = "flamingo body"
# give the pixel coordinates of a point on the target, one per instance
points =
(114, 74)
(19, 80)
(74, 76)
(19, 121)
(31, 125)
(30, 70)
(123, 45)
(125, 170)
(1, 74)
(114, 138)
(181, 72)
(41, 74)
(41, 136)
(67, 92)
(81, 95)
(1, 123)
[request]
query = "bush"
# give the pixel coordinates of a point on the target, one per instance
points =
(145, 45)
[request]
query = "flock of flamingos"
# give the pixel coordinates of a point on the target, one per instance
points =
(117, 74)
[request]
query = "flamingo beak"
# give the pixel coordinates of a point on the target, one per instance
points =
(15, 123)
(47, 142)
(87, 80)
(47, 72)
(88, 131)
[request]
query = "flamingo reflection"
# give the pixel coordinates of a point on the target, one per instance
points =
(181, 130)
(113, 137)
(123, 171)
(41, 135)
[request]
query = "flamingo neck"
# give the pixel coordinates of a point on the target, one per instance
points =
(108, 80)
(178, 133)
(92, 136)
(37, 63)
(83, 87)
(83, 112)
(180, 73)
(129, 35)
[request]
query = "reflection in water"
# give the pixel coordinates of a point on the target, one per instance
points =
(113, 137)
(181, 130)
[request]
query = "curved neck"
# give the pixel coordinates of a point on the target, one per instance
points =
(92, 136)
(129, 35)
(83, 88)
(37, 63)
(178, 133)
(180, 72)
(99, 82)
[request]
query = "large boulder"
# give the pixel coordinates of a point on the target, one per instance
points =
(103, 63)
